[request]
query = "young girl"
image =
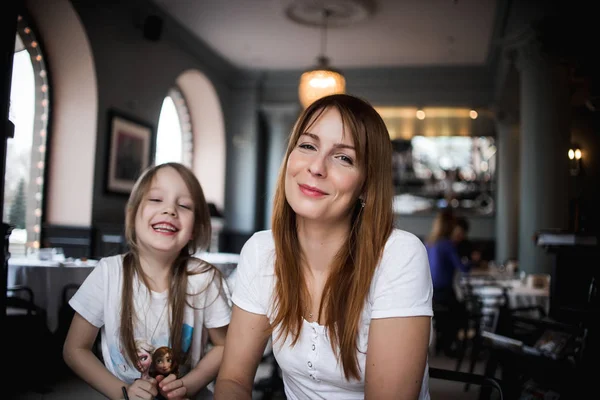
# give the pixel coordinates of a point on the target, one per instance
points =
(345, 297)
(157, 293)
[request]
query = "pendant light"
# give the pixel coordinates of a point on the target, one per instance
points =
(322, 80)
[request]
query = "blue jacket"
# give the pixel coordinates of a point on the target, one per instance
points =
(443, 262)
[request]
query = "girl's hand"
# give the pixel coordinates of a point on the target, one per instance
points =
(171, 387)
(143, 389)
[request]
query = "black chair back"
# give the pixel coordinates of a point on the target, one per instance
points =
(468, 378)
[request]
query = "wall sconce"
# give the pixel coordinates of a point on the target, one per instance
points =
(575, 157)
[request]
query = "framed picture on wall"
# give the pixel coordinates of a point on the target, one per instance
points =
(129, 151)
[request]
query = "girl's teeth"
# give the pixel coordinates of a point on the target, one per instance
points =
(164, 228)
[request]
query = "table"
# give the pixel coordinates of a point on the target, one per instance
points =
(47, 280)
(519, 294)
(225, 262)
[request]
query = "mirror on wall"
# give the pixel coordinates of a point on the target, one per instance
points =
(443, 157)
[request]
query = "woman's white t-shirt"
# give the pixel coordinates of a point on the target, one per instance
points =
(98, 300)
(401, 287)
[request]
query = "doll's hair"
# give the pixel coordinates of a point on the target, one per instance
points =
(143, 344)
(160, 353)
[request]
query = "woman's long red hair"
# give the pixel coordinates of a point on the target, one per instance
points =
(352, 271)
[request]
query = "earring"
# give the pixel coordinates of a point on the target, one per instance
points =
(362, 202)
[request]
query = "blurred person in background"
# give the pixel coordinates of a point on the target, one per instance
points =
(444, 262)
(465, 247)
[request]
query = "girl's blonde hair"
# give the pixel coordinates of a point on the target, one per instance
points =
(352, 271)
(178, 278)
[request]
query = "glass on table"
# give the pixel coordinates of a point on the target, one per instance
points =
(58, 254)
(523, 278)
(32, 252)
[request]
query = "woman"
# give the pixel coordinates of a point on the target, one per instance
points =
(345, 297)
(444, 261)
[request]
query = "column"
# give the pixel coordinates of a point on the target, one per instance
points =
(545, 123)
(507, 204)
(242, 160)
(280, 120)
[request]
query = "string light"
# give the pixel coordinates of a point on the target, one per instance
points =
(42, 89)
(187, 136)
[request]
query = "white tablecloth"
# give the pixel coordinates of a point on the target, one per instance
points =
(47, 280)
(225, 262)
(519, 294)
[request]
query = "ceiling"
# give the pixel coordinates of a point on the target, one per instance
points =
(257, 34)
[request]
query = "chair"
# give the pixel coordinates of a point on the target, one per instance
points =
(65, 312)
(28, 338)
(483, 305)
(516, 350)
(272, 385)
(468, 378)
(441, 313)
(65, 316)
(18, 306)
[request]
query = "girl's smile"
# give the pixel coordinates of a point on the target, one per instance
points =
(165, 219)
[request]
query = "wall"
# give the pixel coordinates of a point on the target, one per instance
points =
(468, 86)
(584, 188)
(133, 76)
(208, 127)
(73, 112)
(243, 175)
(102, 61)
(481, 227)
(461, 87)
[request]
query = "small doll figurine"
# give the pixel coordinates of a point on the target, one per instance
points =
(144, 353)
(163, 363)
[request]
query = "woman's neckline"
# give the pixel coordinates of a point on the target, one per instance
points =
(314, 324)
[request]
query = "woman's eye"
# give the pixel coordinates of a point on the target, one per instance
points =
(307, 146)
(185, 206)
(154, 200)
(346, 159)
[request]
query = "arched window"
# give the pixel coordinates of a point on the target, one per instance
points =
(174, 135)
(26, 152)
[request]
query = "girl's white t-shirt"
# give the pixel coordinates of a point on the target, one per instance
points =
(401, 287)
(98, 300)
